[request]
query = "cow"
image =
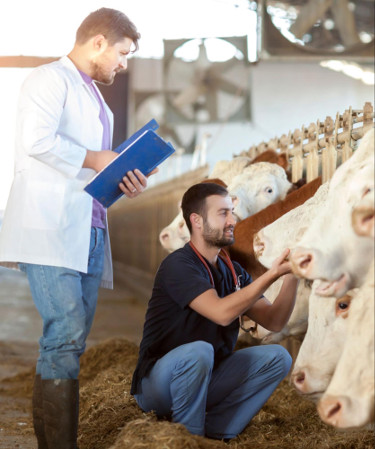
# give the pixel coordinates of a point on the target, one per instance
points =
(258, 186)
(227, 170)
(333, 327)
(349, 399)
(285, 232)
(175, 235)
(323, 343)
(243, 252)
(330, 250)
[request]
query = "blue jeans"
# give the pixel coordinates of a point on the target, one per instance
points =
(220, 402)
(66, 301)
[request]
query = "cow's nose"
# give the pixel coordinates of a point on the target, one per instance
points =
(302, 261)
(298, 378)
(258, 244)
(164, 237)
(330, 410)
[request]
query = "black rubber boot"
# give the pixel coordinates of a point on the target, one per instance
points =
(38, 420)
(61, 405)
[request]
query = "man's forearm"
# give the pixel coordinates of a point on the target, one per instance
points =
(244, 299)
(97, 160)
(283, 305)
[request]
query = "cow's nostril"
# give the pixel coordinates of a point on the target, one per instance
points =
(306, 261)
(164, 237)
(333, 410)
(299, 377)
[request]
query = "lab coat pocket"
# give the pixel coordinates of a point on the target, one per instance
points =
(44, 205)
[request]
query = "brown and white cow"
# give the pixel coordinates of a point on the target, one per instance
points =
(258, 186)
(226, 170)
(175, 235)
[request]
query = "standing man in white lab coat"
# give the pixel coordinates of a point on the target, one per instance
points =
(52, 228)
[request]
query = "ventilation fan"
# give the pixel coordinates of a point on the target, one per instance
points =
(331, 26)
(201, 89)
(152, 105)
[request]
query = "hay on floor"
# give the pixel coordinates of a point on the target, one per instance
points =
(111, 419)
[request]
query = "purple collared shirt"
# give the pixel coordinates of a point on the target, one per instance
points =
(98, 211)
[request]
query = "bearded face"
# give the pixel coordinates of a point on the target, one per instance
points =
(218, 237)
(102, 71)
(110, 60)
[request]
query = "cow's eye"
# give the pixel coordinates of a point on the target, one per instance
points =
(366, 191)
(269, 190)
(342, 306)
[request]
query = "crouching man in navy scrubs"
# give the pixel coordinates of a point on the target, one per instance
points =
(187, 369)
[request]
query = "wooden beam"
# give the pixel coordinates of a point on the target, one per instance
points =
(25, 61)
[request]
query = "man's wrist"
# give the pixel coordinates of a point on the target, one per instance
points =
(90, 159)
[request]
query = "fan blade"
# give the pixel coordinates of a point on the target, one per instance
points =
(228, 87)
(308, 15)
(179, 74)
(202, 62)
(345, 22)
(222, 67)
(168, 132)
(189, 95)
(211, 104)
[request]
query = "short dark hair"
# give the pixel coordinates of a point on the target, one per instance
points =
(194, 199)
(112, 24)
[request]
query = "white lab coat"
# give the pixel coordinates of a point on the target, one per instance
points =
(47, 219)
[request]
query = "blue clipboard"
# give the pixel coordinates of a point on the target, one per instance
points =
(144, 150)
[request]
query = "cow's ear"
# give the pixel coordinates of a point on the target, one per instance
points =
(235, 200)
(283, 161)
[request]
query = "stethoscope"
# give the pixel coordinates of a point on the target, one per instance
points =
(226, 259)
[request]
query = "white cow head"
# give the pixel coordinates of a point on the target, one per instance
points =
(323, 343)
(349, 398)
(285, 232)
(258, 186)
(175, 235)
(330, 249)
